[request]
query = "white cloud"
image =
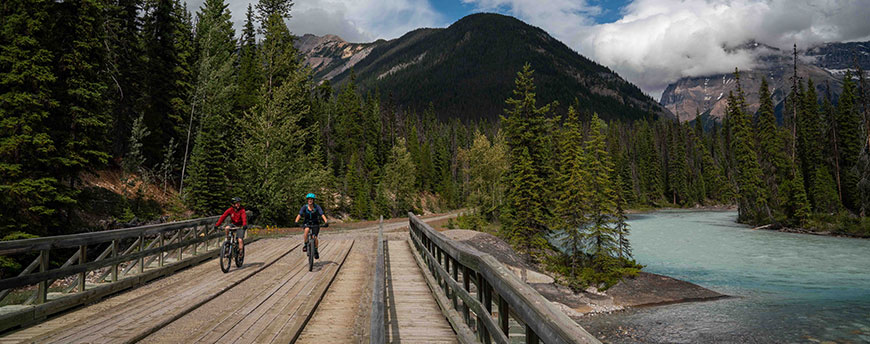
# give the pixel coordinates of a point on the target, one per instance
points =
(658, 41)
(352, 20)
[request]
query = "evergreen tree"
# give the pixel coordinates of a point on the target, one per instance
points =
(526, 128)
(601, 233)
(573, 195)
(209, 184)
(677, 166)
(275, 167)
(250, 75)
(751, 200)
(29, 190)
(398, 182)
(134, 160)
(167, 73)
(849, 143)
(80, 123)
(774, 162)
(125, 67)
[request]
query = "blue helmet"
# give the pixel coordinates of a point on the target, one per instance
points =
(310, 195)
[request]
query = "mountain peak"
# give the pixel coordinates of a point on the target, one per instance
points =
(468, 70)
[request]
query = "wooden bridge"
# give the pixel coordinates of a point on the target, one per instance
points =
(396, 282)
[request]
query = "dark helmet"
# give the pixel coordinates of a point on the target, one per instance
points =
(236, 200)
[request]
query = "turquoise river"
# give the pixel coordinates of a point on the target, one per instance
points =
(787, 288)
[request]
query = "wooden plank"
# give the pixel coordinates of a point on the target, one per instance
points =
(135, 314)
(549, 323)
(414, 315)
(463, 333)
(376, 328)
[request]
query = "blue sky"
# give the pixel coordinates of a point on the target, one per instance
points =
(649, 42)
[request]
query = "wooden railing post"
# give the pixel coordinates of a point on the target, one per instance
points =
(160, 255)
(504, 316)
(116, 265)
(195, 235)
(42, 288)
(141, 248)
(456, 268)
(180, 239)
(531, 337)
(83, 258)
(482, 333)
(466, 284)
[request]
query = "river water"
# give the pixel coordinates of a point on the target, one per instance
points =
(788, 288)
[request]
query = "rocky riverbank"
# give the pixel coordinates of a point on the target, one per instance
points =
(646, 289)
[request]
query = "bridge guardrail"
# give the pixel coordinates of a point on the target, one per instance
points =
(492, 283)
(378, 327)
(149, 243)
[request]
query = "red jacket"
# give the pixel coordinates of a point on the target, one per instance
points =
(237, 217)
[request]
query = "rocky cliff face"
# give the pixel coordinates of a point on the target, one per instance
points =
(707, 95)
(329, 55)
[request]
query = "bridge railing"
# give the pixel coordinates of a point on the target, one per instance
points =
(150, 252)
(470, 283)
(378, 327)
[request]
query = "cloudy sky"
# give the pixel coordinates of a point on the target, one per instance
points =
(649, 42)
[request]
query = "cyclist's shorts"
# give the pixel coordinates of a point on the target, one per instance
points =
(240, 232)
(314, 230)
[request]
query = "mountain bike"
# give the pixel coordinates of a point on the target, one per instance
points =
(313, 230)
(230, 251)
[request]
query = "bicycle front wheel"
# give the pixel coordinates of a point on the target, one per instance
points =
(226, 257)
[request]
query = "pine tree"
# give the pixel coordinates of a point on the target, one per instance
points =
(134, 160)
(601, 235)
(526, 129)
(274, 167)
(677, 166)
(167, 73)
(250, 75)
(751, 200)
(83, 120)
(774, 162)
(573, 195)
(125, 67)
(398, 182)
(209, 183)
(29, 191)
(849, 143)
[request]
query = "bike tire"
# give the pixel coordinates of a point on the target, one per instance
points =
(311, 254)
(226, 257)
(240, 258)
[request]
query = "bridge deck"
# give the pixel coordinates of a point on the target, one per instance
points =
(273, 298)
(412, 314)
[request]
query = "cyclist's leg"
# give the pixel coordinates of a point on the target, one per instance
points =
(240, 234)
(305, 242)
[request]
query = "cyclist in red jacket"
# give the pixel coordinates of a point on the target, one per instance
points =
(238, 218)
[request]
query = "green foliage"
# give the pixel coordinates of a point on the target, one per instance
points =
(526, 130)
(210, 161)
(473, 221)
(399, 179)
(752, 200)
(485, 163)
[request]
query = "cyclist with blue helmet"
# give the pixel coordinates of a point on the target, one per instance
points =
(311, 213)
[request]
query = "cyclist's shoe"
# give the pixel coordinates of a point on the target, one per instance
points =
(316, 254)
(305, 247)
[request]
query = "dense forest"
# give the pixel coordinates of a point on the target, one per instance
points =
(179, 99)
